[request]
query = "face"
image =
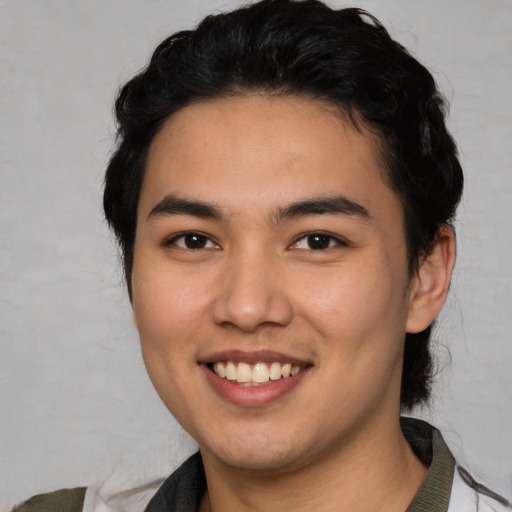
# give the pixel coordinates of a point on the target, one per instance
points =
(270, 283)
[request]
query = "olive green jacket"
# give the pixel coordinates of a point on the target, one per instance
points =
(65, 500)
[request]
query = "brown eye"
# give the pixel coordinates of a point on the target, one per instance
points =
(318, 242)
(193, 241)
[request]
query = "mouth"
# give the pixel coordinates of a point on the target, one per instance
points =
(253, 379)
(257, 374)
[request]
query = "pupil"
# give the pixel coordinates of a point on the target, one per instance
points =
(317, 242)
(195, 241)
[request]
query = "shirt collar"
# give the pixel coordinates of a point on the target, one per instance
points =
(429, 446)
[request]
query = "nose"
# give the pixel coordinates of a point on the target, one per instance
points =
(252, 294)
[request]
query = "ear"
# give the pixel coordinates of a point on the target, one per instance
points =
(429, 286)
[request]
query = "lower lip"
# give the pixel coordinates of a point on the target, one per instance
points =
(252, 396)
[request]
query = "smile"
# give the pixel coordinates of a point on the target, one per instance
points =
(253, 379)
(254, 374)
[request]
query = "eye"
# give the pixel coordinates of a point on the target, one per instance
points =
(193, 241)
(317, 242)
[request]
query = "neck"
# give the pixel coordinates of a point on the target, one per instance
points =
(375, 470)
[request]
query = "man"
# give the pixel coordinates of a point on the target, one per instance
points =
(282, 192)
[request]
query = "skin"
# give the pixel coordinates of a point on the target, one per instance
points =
(255, 284)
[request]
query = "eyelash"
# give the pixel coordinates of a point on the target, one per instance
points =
(203, 240)
(197, 234)
(322, 236)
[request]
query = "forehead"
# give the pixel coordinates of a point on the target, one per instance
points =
(267, 150)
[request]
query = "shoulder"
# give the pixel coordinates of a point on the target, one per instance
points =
(468, 495)
(447, 486)
(182, 490)
(64, 500)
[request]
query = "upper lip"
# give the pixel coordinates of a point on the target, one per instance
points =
(252, 357)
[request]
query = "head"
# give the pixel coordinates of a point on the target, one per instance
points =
(281, 48)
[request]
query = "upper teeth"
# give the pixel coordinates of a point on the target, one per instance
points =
(258, 373)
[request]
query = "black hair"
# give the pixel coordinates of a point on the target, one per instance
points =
(344, 57)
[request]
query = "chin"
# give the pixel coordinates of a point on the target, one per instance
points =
(258, 461)
(258, 451)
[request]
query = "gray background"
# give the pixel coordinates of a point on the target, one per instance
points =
(76, 406)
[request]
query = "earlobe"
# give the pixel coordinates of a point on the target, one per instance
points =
(429, 287)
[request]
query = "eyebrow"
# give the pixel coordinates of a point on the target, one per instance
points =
(335, 205)
(174, 205)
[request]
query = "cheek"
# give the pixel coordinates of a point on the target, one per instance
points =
(360, 302)
(169, 307)
(169, 312)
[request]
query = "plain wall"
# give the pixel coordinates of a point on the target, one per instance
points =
(76, 406)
